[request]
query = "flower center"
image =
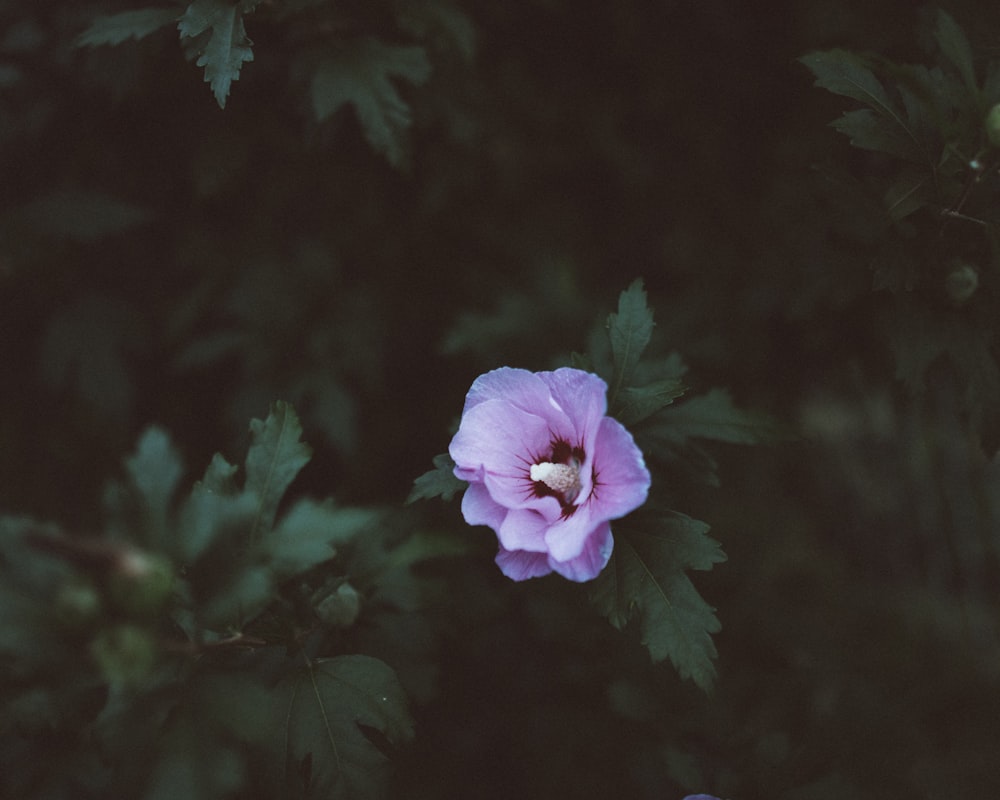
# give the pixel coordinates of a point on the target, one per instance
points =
(561, 478)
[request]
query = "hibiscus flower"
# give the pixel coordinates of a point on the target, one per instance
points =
(547, 470)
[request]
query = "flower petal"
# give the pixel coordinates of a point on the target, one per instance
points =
(592, 559)
(567, 537)
(622, 478)
(479, 508)
(524, 529)
(498, 437)
(581, 396)
(515, 386)
(519, 565)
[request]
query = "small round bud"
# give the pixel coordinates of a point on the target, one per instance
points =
(961, 283)
(141, 583)
(125, 654)
(992, 125)
(77, 603)
(341, 608)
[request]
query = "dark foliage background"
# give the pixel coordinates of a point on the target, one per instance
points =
(166, 261)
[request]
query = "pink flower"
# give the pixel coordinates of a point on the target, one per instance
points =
(547, 470)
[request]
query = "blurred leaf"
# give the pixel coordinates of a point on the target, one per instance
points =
(847, 74)
(629, 331)
(82, 215)
(155, 470)
(216, 36)
(360, 74)
(193, 763)
(955, 46)
(638, 403)
(646, 578)
(208, 516)
(442, 23)
(116, 28)
(438, 482)
(307, 534)
(910, 192)
(423, 546)
(917, 337)
(318, 712)
(84, 348)
(28, 638)
(240, 600)
(714, 416)
(274, 459)
(219, 476)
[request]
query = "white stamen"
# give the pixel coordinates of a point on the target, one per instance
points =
(561, 478)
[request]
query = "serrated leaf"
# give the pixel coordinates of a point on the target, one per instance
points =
(910, 192)
(361, 74)
(274, 459)
(307, 536)
(219, 476)
(319, 709)
(116, 28)
(869, 131)
(714, 416)
(955, 46)
(846, 74)
(208, 515)
(438, 482)
(629, 331)
(646, 578)
(641, 402)
(214, 28)
(240, 600)
(155, 470)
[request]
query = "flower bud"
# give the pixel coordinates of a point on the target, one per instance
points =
(341, 608)
(961, 283)
(992, 125)
(141, 583)
(125, 654)
(77, 603)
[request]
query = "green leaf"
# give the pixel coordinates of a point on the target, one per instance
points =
(213, 31)
(240, 600)
(955, 46)
(219, 476)
(646, 578)
(714, 416)
(360, 74)
(439, 482)
(274, 459)
(869, 131)
(318, 711)
(207, 516)
(629, 331)
(155, 470)
(581, 361)
(193, 763)
(116, 28)
(638, 403)
(846, 74)
(910, 192)
(85, 348)
(307, 536)
(85, 216)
